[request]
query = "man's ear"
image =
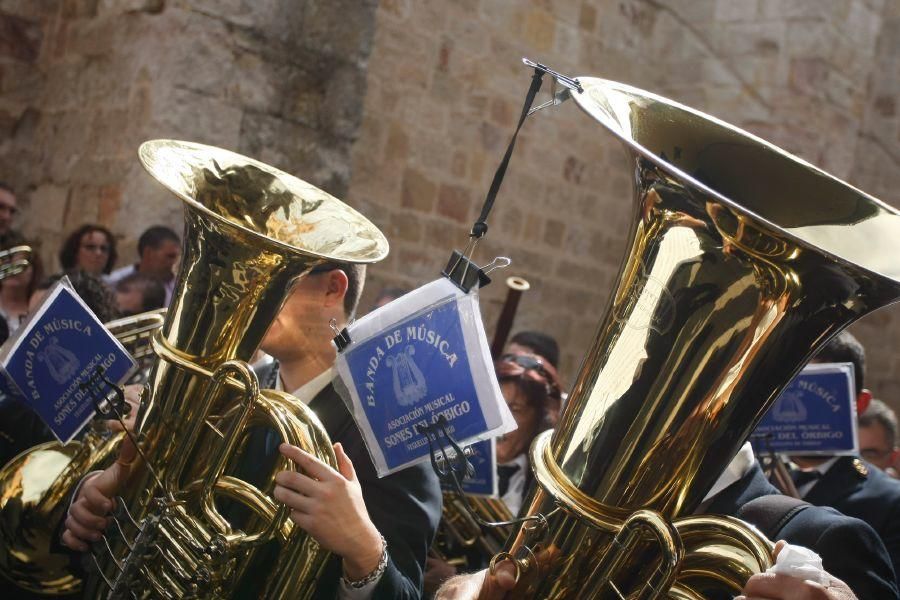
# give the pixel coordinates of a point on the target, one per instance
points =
(336, 289)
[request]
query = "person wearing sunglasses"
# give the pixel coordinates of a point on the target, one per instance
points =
(90, 248)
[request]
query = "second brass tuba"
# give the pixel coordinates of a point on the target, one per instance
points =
(250, 232)
(743, 261)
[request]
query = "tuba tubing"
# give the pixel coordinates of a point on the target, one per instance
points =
(742, 262)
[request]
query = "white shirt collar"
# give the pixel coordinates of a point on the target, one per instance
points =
(309, 390)
(739, 466)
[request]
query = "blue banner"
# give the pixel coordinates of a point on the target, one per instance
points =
(815, 414)
(55, 353)
(410, 374)
(483, 482)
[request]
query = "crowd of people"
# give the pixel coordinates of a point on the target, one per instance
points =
(381, 530)
(89, 257)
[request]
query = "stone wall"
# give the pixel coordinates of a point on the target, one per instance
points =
(445, 85)
(404, 108)
(84, 82)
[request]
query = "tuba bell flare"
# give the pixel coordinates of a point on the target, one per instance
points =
(742, 261)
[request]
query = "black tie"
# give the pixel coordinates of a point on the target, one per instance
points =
(801, 478)
(504, 472)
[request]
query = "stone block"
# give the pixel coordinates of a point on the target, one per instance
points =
(20, 38)
(539, 30)
(418, 191)
(454, 202)
(116, 7)
(109, 204)
(81, 207)
(554, 233)
(735, 10)
(46, 208)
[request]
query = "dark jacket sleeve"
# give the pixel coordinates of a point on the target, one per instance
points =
(406, 509)
(850, 550)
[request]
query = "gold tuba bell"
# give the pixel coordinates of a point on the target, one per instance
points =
(743, 260)
(250, 232)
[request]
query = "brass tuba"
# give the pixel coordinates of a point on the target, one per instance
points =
(743, 260)
(250, 232)
(14, 260)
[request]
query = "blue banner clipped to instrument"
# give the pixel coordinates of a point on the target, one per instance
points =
(423, 357)
(61, 359)
(815, 414)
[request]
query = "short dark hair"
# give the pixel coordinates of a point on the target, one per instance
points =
(356, 281)
(881, 413)
(92, 290)
(542, 344)
(68, 254)
(153, 293)
(154, 236)
(844, 347)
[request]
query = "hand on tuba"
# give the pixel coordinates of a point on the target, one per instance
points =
(482, 585)
(87, 519)
(133, 398)
(328, 504)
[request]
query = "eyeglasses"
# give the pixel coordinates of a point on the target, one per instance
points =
(96, 248)
(532, 364)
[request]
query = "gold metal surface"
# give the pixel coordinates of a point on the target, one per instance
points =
(251, 231)
(14, 260)
(458, 532)
(742, 262)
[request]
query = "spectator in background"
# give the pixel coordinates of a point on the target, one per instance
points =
(878, 437)
(535, 342)
(16, 290)
(8, 210)
(158, 250)
(92, 290)
(90, 248)
(139, 293)
(544, 348)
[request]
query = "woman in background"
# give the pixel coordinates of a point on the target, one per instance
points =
(16, 290)
(90, 248)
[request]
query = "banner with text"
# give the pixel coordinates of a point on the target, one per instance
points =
(815, 414)
(422, 356)
(57, 350)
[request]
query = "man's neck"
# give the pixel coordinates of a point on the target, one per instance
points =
(297, 372)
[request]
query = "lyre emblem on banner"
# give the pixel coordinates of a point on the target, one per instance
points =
(789, 408)
(62, 363)
(409, 383)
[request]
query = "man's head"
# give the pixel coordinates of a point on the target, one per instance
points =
(844, 347)
(159, 248)
(8, 207)
(535, 342)
(878, 435)
(330, 291)
(139, 293)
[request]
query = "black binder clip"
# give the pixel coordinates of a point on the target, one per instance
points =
(341, 337)
(465, 273)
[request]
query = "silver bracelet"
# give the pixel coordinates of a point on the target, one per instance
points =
(375, 574)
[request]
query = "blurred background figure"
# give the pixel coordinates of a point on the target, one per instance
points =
(90, 248)
(158, 251)
(139, 293)
(546, 349)
(8, 210)
(387, 295)
(878, 437)
(92, 290)
(16, 290)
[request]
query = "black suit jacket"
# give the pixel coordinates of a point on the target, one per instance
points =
(861, 490)
(404, 506)
(850, 549)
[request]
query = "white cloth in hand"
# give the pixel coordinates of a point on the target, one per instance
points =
(800, 563)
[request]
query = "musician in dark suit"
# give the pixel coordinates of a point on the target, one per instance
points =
(379, 530)
(848, 483)
(850, 549)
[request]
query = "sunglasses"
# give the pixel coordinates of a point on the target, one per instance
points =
(536, 366)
